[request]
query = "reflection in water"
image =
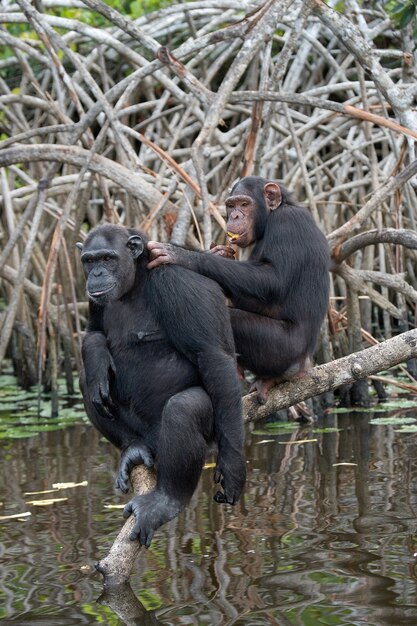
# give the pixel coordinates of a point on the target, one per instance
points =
(124, 603)
(326, 535)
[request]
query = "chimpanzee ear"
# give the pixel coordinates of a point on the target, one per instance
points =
(135, 245)
(272, 195)
(79, 245)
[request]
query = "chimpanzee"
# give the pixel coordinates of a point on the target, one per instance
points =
(159, 378)
(280, 294)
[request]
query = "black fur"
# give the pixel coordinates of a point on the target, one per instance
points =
(159, 378)
(280, 295)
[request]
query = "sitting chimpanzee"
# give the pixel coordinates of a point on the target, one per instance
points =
(159, 378)
(280, 295)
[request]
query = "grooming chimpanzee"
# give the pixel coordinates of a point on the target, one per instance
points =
(280, 295)
(159, 378)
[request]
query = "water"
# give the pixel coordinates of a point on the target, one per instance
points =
(313, 543)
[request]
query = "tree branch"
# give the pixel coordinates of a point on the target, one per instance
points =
(327, 377)
(117, 566)
(400, 236)
(130, 181)
(378, 197)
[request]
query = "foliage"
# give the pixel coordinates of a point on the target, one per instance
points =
(137, 8)
(403, 13)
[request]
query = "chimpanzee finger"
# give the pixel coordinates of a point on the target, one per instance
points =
(230, 499)
(225, 498)
(147, 457)
(218, 476)
(108, 407)
(108, 401)
(145, 537)
(122, 482)
(102, 409)
(112, 366)
(262, 397)
(128, 510)
(134, 535)
(104, 392)
(219, 498)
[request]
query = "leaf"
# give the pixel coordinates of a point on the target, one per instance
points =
(84, 483)
(327, 430)
(47, 502)
(411, 428)
(406, 17)
(397, 8)
(15, 516)
(295, 443)
(38, 493)
(16, 434)
(392, 421)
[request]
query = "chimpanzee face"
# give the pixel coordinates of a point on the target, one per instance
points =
(247, 210)
(240, 210)
(109, 263)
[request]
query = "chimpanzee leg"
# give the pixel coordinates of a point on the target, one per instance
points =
(272, 349)
(186, 430)
(266, 346)
(220, 379)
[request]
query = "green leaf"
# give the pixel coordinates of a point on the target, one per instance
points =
(406, 17)
(411, 428)
(392, 421)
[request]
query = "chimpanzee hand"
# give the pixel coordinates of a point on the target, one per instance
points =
(231, 474)
(98, 387)
(225, 251)
(136, 453)
(151, 511)
(163, 253)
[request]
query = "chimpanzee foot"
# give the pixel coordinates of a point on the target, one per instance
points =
(135, 454)
(262, 386)
(150, 511)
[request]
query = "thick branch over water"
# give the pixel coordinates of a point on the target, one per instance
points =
(327, 377)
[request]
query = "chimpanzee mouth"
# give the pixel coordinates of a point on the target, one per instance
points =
(233, 237)
(101, 293)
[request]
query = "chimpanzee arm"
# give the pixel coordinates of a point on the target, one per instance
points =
(98, 364)
(254, 279)
(98, 367)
